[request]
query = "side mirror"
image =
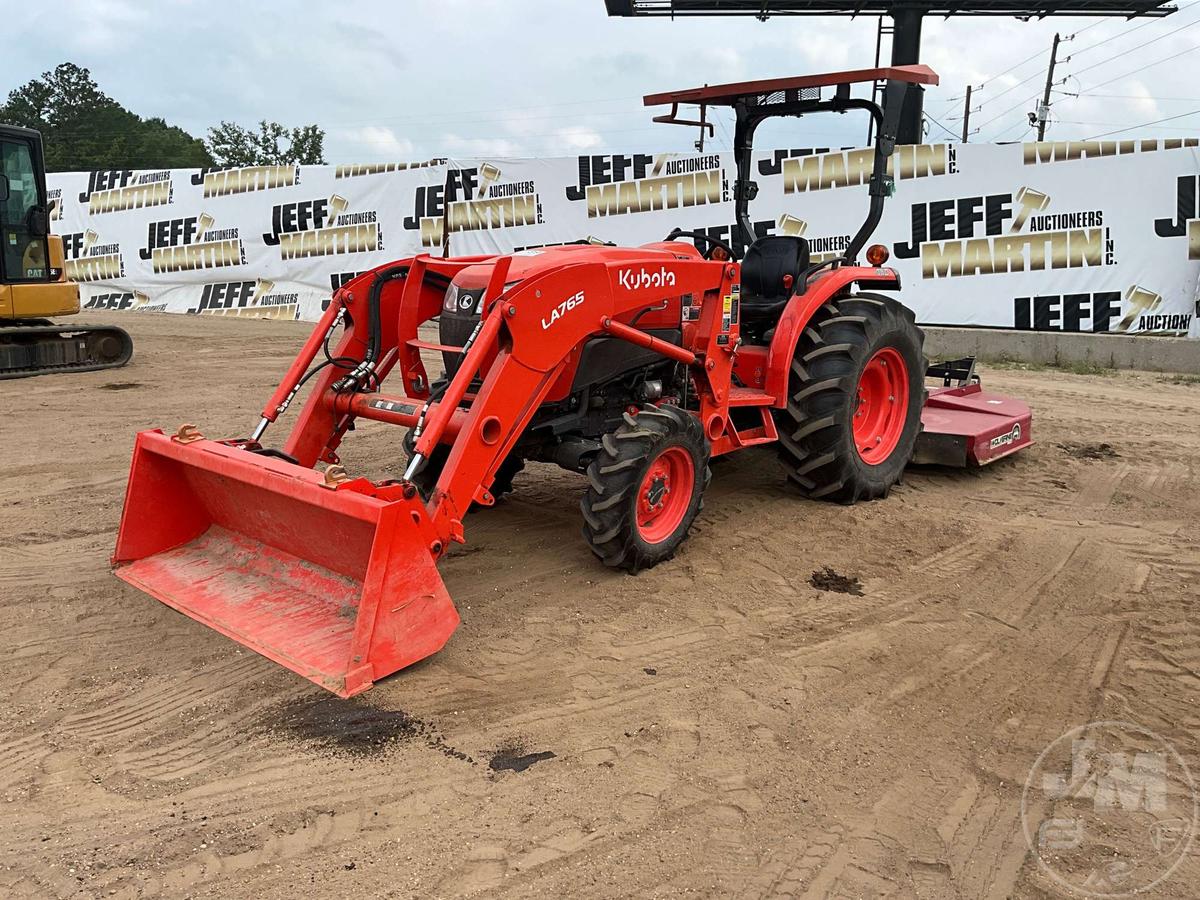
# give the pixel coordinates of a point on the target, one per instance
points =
(3, 188)
(39, 221)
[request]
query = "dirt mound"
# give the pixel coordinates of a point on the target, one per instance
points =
(826, 579)
(1100, 450)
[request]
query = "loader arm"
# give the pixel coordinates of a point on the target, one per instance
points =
(405, 294)
(525, 338)
(538, 324)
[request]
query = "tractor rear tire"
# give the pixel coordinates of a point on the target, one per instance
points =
(855, 393)
(646, 487)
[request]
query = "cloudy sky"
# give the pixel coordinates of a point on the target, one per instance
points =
(410, 79)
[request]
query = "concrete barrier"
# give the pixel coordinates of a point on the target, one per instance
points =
(1152, 354)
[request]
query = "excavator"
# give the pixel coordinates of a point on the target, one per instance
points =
(33, 278)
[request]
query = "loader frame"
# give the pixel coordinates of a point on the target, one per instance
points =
(520, 347)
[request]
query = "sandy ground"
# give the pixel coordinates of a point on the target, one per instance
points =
(718, 725)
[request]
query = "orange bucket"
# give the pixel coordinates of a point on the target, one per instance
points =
(336, 582)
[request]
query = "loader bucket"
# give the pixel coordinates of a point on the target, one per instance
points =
(337, 584)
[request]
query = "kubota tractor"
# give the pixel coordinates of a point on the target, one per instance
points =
(633, 366)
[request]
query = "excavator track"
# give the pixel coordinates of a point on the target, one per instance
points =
(44, 348)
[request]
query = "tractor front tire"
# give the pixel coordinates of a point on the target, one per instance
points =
(646, 487)
(855, 393)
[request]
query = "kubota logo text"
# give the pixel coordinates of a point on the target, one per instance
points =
(562, 309)
(635, 280)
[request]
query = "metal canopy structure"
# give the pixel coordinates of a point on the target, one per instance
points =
(764, 9)
(907, 16)
(729, 94)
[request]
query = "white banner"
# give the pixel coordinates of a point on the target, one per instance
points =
(1099, 236)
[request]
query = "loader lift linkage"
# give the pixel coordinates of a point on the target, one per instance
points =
(634, 366)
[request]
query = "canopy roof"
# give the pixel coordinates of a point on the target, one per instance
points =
(727, 94)
(764, 9)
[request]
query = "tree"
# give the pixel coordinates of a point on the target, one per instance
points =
(85, 129)
(232, 145)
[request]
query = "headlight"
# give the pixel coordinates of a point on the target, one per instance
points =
(508, 287)
(467, 300)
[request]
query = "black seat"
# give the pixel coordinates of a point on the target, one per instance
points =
(770, 269)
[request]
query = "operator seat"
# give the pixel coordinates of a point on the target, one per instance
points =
(771, 269)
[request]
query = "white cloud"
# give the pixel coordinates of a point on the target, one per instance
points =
(457, 145)
(374, 142)
(580, 138)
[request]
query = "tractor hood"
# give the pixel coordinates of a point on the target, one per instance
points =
(529, 262)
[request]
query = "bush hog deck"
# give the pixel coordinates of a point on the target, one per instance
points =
(633, 366)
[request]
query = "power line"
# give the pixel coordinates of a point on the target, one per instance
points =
(1128, 31)
(1123, 33)
(1015, 86)
(1032, 56)
(1085, 90)
(941, 126)
(724, 132)
(1102, 83)
(457, 117)
(996, 139)
(582, 120)
(1129, 96)
(983, 83)
(1145, 124)
(1071, 122)
(1107, 59)
(1007, 111)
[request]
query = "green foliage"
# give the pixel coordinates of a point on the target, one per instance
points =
(232, 145)
(85, 129)
(1005, 361)
(1085, 368)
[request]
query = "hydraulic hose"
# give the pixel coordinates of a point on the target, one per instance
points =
(415, 464)
(354, 378)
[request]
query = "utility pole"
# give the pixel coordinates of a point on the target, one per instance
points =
(1043, 112)
(967, 115)
(906, 50)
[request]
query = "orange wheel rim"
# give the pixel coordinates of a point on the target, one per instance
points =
(665, 494)
(881, 406)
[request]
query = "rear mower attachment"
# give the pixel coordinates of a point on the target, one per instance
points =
(965, 426)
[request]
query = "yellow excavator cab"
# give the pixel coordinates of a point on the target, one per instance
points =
(33, 281)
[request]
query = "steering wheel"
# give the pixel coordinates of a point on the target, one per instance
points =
(713, 243)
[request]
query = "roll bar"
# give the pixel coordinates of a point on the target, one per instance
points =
(755, 101)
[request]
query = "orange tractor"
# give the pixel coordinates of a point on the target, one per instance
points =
(633, 366)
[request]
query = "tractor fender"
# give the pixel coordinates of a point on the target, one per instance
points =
(800, 310)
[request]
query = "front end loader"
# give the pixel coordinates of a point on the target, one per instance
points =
(632, 366)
